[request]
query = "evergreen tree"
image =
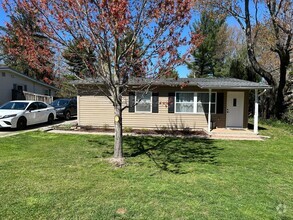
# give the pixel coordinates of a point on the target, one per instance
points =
(79, 59)
(240, 67)
(206, 59)
(133, 60)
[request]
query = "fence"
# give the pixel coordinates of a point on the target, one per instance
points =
(37, 97)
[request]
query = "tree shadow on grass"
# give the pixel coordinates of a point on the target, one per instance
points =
(250, 127)
(172, 154)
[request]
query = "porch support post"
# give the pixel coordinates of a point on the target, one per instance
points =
(209, 114)
(255, 124)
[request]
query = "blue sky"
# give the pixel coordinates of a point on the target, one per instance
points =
(182, 70)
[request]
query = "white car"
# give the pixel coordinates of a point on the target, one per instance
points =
(19, 114)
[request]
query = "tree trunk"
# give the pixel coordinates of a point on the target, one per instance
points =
(118, 148)
(284, 62)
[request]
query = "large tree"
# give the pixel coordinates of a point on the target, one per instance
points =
(277, 16)
(79, 58)
(209, 56)
(105, 24)
(17, 54)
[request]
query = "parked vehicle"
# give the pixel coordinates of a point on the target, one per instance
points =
(65, 108)
(19, 114)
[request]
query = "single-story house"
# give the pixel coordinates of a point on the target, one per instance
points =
(13, 84)
(193, 103)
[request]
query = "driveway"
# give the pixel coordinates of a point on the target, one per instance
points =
(5, 132)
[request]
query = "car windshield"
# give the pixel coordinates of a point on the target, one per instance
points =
(15, 105)
(60, 102)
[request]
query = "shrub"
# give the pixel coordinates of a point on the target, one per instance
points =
(288, 116)
(128, 129)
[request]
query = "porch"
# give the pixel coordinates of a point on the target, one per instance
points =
(235, 102)
(24, 95)
(235, 134)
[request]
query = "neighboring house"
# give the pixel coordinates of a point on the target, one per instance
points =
(14, 85)
(200, 103)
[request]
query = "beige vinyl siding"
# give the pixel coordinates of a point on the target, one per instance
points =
(98, 111)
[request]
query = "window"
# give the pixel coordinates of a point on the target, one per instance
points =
(185, 102)
(3, 74)
(203, 103)
(42, 105)
(234, 102)
(19, 88)
(32, 106)
(144, 102)
(25, 87)
(198, 102)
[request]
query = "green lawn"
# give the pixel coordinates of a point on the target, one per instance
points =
(50, 176)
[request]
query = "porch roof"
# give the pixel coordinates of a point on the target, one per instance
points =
(229, 83)
(203, 83)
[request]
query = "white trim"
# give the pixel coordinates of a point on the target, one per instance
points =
(212, 103)
(151, 102)
(242, 93)
(78, 110)
(255, 124)
(195, 102)
(209, 113)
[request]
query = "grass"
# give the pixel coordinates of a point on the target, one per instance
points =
(51, 176)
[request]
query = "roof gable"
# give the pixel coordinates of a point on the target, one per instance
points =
(8, 69)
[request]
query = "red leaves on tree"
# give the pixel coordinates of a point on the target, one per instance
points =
(104, 25)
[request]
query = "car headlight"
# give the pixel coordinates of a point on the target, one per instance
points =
(8, 116)
(60, 109)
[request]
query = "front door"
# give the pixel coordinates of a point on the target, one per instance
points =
(235, 106)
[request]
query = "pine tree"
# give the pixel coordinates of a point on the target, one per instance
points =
(79, 59)
(205, 56)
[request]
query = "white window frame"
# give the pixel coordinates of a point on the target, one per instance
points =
(151, 102)
(194, 100)
(208, 102)
(195, 103)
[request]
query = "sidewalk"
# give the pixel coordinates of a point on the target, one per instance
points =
(39, 127)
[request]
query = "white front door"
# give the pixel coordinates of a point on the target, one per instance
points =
(235, 106)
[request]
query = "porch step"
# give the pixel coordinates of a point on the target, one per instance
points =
(238, 136)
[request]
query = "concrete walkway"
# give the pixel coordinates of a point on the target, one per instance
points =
(40, 127)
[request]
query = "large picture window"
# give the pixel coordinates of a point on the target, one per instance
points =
(190, 102)
(185, 102)
(144, 102)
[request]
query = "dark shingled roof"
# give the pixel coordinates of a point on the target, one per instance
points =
(204, 83)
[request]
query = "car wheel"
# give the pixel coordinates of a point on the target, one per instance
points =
(67, 115)
(50, 119)
(21, 123)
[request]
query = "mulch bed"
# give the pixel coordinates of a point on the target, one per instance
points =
(138, 131)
